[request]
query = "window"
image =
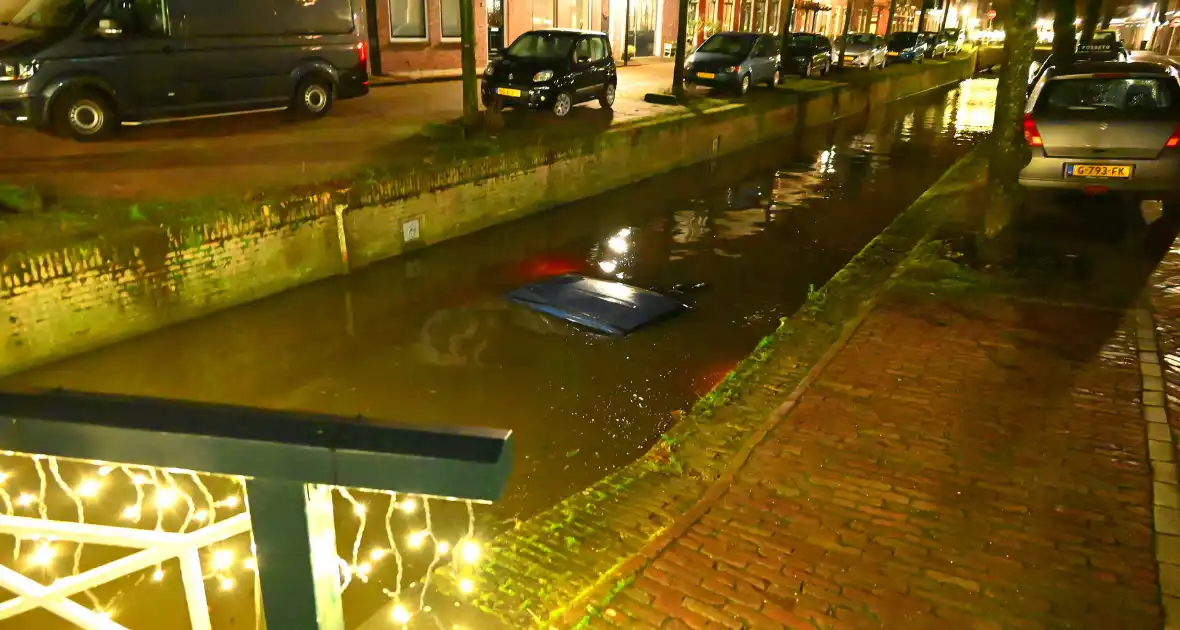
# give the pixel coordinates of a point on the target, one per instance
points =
(452, 26)
(407, 19)
(597, 49)
(582, 51)
(138, 17)
(45, 14)
(1112, 98)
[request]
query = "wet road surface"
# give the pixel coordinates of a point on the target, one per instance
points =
(427, 339)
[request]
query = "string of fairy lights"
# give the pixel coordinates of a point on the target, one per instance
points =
(183, 501)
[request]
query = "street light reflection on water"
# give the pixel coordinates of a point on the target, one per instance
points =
(428, 339)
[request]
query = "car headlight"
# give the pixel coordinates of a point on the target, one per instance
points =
(490, 70)
(16, 71)
(542, 76)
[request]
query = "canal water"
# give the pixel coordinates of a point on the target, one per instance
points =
(427, 338)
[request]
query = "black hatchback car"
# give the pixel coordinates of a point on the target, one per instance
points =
(82, 67)
(554, 69)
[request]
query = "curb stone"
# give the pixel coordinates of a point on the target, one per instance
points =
(1162, 453)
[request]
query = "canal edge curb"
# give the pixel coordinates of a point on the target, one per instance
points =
(606, 527)
(1162, 457)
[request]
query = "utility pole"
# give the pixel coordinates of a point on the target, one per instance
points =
(681, 43)
(946, 13)
(470, 75)
(922, 16)
(844, 35)
(889, 24)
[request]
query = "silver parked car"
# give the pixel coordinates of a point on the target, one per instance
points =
(1104, 126)
(864, 50)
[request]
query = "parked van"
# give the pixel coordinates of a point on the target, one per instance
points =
(82, 67)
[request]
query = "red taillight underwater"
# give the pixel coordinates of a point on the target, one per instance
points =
(1031, 135)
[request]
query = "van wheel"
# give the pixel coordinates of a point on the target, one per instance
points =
(84, 115)
(313, 98)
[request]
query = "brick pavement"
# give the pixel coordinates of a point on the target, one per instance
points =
(958, 464)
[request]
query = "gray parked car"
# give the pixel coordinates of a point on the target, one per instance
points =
(1098, 127)
(82, 67)
(864, 50)
(734, 61)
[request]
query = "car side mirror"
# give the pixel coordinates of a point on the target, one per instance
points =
(109, 28)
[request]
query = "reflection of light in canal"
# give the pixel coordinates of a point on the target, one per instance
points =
(976, 107)
(826, 163)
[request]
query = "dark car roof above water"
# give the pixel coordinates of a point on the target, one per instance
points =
(566, 30)
(1105, 67)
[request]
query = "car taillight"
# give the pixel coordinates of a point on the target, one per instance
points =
(734, 69)
(1173, 140)
(362, 53)
(1031, 135)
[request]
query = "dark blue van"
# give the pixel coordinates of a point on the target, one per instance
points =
(83, 67)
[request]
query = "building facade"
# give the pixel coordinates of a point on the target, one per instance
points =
(420, 38)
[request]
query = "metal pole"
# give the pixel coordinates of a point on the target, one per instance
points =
(627, 33)
(681, 43)
(889, 24)
(470, 75)
(946, 13)
(922, 17)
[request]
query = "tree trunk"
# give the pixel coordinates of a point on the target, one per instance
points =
(1064, 31)
(892, 10)
(1090, 21)
(470, 74)
(785, 34)
(844, 32)
(681, 42)
(1009, 151)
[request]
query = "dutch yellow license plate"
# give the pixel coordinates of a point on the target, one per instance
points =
(1098, 170)
(892, 53)
(706, 75)
(508, 92)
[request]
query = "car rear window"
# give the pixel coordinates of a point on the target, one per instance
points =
(1109, 97)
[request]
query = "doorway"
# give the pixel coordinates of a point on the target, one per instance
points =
(496, 41)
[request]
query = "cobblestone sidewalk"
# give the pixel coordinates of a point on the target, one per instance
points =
(959, 464)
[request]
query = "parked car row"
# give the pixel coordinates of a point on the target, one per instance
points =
(82, 69)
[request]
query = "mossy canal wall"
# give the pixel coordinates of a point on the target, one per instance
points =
(57, 303)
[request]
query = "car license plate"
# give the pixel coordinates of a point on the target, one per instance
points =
(1098, 170)
(706, 75)
(508, 92)
(892, 53)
